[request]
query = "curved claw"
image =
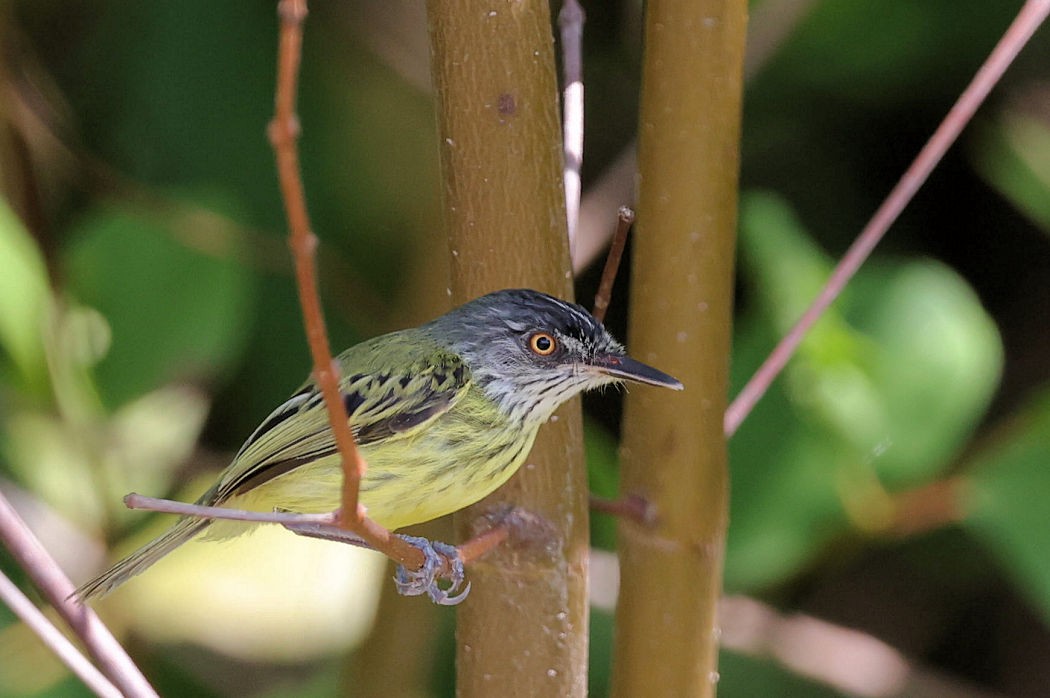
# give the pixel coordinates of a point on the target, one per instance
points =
(425, 579)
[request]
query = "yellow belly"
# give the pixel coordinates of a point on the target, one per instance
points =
(408, 480)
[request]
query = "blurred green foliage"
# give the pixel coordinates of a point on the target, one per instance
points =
(907, 345)
(115, 261)
(145, 287)
(1006, 498)
(24, 300)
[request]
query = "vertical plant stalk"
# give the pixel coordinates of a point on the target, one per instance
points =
(524, 629)
(673, 449)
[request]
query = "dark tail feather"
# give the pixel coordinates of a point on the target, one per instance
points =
(185, 529)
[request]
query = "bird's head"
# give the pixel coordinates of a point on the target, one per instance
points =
(531, 352)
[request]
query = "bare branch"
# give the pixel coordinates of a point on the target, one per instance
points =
(169, 506)
(56, 587)
(325, 526)
(630, 506)
(54, 639)
(624, 219)
(284, 133)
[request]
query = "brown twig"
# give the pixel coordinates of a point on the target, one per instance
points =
(624, 219)
(1032, 14)
(929, 507)
(283, 133)
(482, 543)
(632, 506)
(56, 587)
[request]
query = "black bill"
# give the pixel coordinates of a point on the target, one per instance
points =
(627, 368)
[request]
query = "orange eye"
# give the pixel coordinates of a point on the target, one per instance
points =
(542, 344)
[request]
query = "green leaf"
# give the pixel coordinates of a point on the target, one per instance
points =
(176, 311)
(936, 363)
(24, 300)
(1013, 154)
(882, 394)
(1005, 500)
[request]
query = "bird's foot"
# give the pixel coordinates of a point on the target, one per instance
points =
(425, 579)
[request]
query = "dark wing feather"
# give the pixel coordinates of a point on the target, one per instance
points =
(381, 405)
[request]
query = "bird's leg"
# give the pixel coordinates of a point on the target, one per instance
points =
(440, 560)
(425, 579)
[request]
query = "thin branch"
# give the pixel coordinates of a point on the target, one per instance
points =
(283, 133)
(632, 507)
(56, 587)
(928, 507)
(314, 525)
(624, 219)
(69, 655)
(613, 187)
(169, 506)
(1031, 16)
(570, 20)
(482, 543)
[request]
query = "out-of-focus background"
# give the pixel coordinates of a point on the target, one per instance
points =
(889, 526)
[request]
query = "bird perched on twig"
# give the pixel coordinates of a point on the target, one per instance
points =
(443, 413)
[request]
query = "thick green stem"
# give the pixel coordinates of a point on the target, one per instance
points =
(674, 451)
(523, 631)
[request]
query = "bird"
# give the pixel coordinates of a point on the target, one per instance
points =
(443, 414)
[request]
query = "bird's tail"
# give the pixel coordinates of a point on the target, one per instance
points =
(183, 530)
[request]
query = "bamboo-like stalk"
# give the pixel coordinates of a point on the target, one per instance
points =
(674, 451)
(523, 631)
